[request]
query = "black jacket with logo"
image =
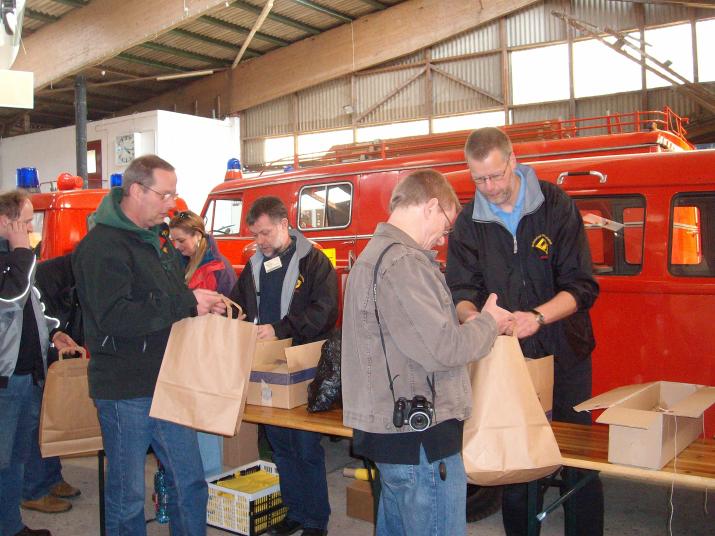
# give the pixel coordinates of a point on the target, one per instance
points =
(309, 298)
(549, 254)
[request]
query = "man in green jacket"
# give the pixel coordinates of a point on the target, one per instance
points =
(130, 284)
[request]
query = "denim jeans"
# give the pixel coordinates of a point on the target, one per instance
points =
(19, 415)
(127, 432)
(211, 449)
(40, 473)
(300, 460)
(415, 501)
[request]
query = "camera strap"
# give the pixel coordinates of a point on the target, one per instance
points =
(390, 379)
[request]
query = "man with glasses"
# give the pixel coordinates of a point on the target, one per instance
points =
(130, 284)
(290, 289)
(524, 240)
(402, 340)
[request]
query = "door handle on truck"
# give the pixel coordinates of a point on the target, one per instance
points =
(562, 176)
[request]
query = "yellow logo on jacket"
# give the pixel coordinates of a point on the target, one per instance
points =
(542, 243)
(299, 282)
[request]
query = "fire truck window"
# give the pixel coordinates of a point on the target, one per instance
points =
(692, 239)
(226, 216)
(614, 229)
(327, 206)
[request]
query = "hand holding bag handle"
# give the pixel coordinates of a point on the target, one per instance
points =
(230, 306)
(72, 350)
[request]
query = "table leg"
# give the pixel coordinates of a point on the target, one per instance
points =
(588, 477)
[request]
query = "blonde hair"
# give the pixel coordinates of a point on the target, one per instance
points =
(191, 223)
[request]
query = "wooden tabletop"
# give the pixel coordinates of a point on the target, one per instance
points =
(581, 446)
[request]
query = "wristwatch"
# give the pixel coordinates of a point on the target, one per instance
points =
(539, 317)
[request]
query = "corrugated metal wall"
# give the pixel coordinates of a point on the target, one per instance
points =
(477, 63)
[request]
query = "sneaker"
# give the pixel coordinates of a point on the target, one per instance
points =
(47, 504)
(63, 490)
(26, 531)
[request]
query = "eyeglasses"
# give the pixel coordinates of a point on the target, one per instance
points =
(494, 177)
(164, 196)
(450, 225)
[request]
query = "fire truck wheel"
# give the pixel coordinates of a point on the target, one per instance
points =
(482, 502)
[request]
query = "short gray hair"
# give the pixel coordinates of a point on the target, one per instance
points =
(11, 203)
(141, 170)
(421, 186)
(483, 141)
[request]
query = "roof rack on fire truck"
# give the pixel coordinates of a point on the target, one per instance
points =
(665, 121)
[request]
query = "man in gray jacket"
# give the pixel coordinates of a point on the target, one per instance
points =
(406, 389)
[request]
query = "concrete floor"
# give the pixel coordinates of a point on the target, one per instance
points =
(632, 508)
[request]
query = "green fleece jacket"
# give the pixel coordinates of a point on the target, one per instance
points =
(130, 284)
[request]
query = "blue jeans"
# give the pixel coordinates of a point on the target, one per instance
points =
(19, 415)
(40, 473)
(415, 501)
(127, 432)
(211, 449)
(300, 460)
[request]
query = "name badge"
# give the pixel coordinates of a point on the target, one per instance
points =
(272, 264)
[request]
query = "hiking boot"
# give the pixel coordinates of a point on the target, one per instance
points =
(63, 490)
(47, 504)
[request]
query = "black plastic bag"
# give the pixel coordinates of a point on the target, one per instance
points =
(325, 391)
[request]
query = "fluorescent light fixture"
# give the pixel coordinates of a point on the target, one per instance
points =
(16, 89)
(184, 75)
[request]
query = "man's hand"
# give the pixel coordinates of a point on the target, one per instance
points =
(61, 340)
(17, 234)
(504, 318)
(266, 331)
(207, 300)
(525, 324)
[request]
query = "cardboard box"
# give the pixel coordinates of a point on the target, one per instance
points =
(242, 448)
(281, 373)
(650, 423)
(359, 502)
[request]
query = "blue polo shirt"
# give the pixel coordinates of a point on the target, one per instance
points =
(511, 219)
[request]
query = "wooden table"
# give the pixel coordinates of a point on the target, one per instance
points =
(585, 447)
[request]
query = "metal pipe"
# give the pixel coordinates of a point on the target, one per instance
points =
(80, 121)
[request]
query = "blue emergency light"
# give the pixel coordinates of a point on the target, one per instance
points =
(234, 163)
(115, 180)
(27, 178)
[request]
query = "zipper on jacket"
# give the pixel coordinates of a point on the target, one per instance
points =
(516, 247)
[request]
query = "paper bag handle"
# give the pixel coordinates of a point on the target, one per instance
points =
(72, 350)
(230, 305)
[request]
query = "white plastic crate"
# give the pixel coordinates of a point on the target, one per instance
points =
(245, 513)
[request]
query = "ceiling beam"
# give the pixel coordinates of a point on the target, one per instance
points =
(371, 40)
(278, 18)
(250, 53)
(374, 3)
(342, 17)
(210, 60)
(243, 31)
(151, 63)
(99, 31)
(39, 15)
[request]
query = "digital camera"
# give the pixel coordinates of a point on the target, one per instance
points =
(417, 413)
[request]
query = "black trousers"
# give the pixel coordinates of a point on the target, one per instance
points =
(584, 510)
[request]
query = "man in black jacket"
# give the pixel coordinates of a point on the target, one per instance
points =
(289, 289)
(130, 283)
(25, 335)
(524, 240)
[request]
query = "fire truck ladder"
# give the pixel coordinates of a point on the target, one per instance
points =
(628, 46)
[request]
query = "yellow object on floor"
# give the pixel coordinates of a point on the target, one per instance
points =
(250, 483)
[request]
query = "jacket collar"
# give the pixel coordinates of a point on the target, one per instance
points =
(533, 198)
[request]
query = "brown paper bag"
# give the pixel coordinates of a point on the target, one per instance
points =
(204, 374)
(508, 438)
(68, 419)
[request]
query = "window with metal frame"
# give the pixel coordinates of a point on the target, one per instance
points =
(614, 228)
(691, 246)
(223, 216)
(325, 206)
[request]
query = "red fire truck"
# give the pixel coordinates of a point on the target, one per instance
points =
(647, 198)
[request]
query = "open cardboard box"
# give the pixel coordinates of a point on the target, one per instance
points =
(650, 423)
(281, 373)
